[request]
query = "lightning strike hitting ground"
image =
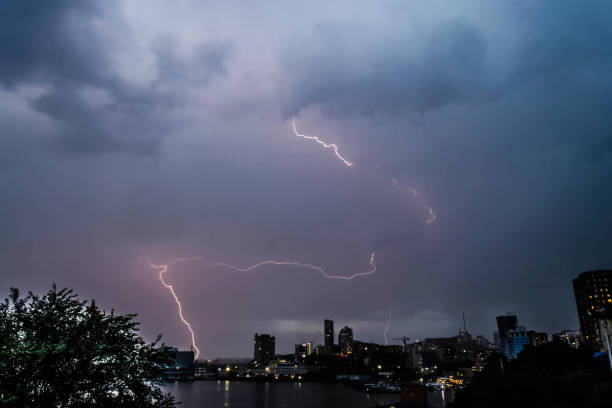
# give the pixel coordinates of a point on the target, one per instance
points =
(162, 269)
(386, 332)
(322, 143)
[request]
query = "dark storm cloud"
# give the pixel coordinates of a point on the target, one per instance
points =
(94, 109)
(88, 129)
(498, 113)
(49, 39)
(512, 142)
(201, 65)
(567, 37)
(565, 62)
(345, 75)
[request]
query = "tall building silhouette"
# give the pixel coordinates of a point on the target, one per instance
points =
(594, 304)
(264, 348)
(345, 340)
(537, 338)
(505, 323)
(512, 337)
(328, 326)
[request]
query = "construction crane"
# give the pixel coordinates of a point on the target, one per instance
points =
(404, 340)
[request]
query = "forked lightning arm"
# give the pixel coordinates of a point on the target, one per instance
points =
(162, 269)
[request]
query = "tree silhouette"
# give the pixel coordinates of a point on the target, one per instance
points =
(550, 375)
(57, 350)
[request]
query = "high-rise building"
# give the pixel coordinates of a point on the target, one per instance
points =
(345, 340)
(309, 347)
(481, 341)
(319, 350)
(514, 342)
(537, 338)
(328, 326)
(181, 363)
(505, 323)
(303, 350)
(496, 339)
(569, 337)
(512, 337)
(300, 352)
(416, 352)
(594, 304)
(264, 348)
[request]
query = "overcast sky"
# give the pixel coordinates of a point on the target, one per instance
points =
(150, 130)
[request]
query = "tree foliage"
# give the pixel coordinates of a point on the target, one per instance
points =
(551, 375)
(56, 350)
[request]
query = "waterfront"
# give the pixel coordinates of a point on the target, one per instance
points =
(243, 394)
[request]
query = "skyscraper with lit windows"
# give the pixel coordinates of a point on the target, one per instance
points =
(264, 348)
(514, 342)
(594, 303)
(328, 326)
(345, 340)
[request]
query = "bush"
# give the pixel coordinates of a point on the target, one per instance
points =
(57, 350)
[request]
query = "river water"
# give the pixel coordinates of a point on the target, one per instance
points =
(243, 394)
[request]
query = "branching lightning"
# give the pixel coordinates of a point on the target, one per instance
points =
(162, 269)
(322, 143)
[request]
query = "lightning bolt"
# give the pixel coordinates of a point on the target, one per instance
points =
(322, 143)
(432, 214)
(390, 317)
(402, 188)
(163, 269)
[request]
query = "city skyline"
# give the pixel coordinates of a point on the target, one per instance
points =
(466, 145)
(510, 342)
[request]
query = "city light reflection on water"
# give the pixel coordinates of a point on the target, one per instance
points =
(244, 394)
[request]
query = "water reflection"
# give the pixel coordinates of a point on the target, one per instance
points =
(237, 394)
